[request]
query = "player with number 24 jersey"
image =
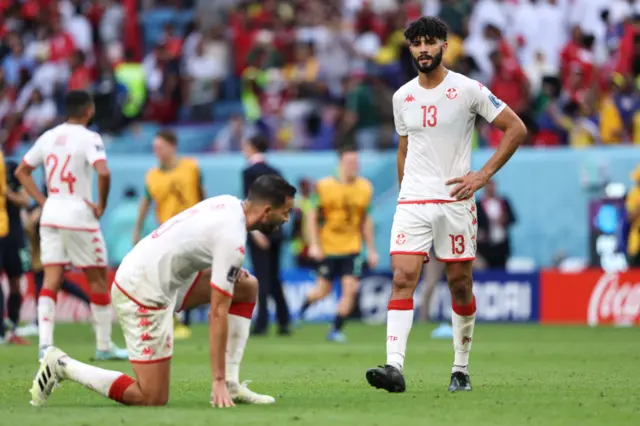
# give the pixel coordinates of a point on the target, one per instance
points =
(69, 153)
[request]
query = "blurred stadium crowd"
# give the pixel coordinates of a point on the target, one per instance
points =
(312, 74)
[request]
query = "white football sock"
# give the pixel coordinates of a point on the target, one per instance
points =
(102, 325)
(94, 378)
(238, 334)
(399, 322)
(46, 320)
(463, 319)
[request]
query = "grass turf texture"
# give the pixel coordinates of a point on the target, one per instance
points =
(522, 375)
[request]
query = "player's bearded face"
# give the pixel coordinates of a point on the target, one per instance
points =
(425, 62)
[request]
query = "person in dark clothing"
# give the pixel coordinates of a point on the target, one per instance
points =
(495, 217)
(13, 246)
(264, 251)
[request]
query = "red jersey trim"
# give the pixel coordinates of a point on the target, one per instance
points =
(191, 287)
(69, 228)
(135, 301)
(431, 201)
(415, 253)
(461, 259)
(29, 166)
(226, 293)
(150, 361)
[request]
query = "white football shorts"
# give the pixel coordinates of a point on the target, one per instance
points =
(82, 249)
(148, 331)
(450, 227)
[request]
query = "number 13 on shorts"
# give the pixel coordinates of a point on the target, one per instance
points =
(450, 227)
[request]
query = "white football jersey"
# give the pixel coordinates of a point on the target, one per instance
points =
(210, 234)
(439, 123)
(68, 152)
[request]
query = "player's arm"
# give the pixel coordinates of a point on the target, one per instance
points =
(143, 210)
(402, 156)
(202, 194)
(402, 131)
(368, 234)
(32, 159)
(18, 198)
(514, 133)
(228, 257)
(312, 228)
(495, 111)
(104, 184)
(97, 157)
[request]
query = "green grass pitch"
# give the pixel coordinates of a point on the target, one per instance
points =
(522, 375)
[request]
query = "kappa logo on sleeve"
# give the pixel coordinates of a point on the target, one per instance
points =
(495, 101)
(233, 274)
(99, 148)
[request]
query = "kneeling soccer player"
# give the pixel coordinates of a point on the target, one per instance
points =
(165, 271)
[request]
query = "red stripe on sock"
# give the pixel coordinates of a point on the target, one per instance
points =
(117, 389)
(45, 292)
(242, 309)
(400, 305)
(102, 299)
(465, 310)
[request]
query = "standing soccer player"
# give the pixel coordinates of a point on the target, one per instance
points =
(342, 203)
(173, 186)
(434, 115)
(169, 270)
(69, 225)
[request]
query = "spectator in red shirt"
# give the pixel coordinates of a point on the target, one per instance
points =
(570, 53)
(81, 77)
(172, 42)
(61, 45)
(509, 82)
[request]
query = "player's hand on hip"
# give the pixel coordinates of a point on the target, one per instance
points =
(220, 397)
(372, 259)
(97, 210)
(467, 185)
(315, 252)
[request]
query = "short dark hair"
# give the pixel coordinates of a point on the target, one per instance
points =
(272, 189)
(345, 149)
(260, 143)
(77, 102)
(427, 26)
(168, 136)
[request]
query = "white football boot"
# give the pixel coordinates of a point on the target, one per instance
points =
(48, 376)
(241, 394)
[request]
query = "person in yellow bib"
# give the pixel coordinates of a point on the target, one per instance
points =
(4, 231)
(173, 186)
(336, 225)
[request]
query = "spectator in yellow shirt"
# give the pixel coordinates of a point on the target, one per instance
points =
(619, 113)
(632, 206)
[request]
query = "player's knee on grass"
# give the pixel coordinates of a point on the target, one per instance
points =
(246, 288)
(460, 279)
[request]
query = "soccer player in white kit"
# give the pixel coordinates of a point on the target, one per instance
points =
(70, 223)
(167, 271)
(434, 115)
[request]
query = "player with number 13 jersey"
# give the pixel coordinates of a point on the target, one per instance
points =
(434, 116)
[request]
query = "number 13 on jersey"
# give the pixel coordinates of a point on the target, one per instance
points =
(429, 116)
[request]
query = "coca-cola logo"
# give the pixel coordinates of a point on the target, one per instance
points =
(614, 302)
